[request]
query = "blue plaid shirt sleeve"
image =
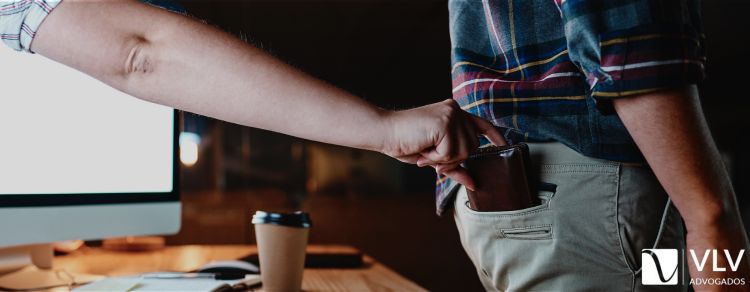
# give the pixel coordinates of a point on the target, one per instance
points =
(629, 47)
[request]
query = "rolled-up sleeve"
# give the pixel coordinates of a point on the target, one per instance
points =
(20, 20)
(630, 47)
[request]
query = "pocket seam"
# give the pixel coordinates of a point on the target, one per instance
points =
(579, 168)
(619, 236)
(514, 213)
(542, 227)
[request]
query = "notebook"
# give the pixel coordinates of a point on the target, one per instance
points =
(142, 284)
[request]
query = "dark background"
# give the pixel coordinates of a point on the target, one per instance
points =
(395, 54)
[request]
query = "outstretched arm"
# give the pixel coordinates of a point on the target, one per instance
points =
(179, 62)
(670, 130)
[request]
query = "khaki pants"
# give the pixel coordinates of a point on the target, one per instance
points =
(587, 235)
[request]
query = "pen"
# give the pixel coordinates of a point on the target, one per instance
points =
(173, 276)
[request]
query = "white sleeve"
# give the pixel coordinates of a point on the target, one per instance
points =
(20, 19)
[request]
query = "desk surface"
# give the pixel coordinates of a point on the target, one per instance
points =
(372, 277)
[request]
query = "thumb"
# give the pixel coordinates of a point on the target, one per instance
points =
(488, 130)
(411, 159)
(431, 156)
(461, 175)
(422, 161)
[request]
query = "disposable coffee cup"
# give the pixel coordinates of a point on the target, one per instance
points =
(282, 240)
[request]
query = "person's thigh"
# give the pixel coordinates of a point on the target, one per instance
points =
(573, 241)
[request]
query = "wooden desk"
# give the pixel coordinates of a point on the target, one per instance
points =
(372, 277)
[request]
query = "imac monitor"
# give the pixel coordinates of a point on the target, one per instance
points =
(79, 159)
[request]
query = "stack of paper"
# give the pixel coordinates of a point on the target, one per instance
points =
(142, 284)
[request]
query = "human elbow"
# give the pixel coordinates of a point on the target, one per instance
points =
(140, 59)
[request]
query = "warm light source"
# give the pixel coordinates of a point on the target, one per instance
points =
(189, 148)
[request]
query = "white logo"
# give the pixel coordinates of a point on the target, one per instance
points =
(734, 263)
(659, 266)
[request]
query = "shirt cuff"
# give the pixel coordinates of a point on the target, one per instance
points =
(34, 18)
(635, 63)
(643, 60)
(20, 20)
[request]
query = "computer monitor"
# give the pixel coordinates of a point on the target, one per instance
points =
(79, 159)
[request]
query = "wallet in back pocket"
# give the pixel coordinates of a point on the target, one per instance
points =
(502, 178)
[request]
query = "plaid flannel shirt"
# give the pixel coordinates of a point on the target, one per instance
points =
(20, 19)
(547, 70)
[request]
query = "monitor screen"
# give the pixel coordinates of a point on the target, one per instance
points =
(64, 132)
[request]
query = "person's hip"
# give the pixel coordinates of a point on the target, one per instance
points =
(587, 234)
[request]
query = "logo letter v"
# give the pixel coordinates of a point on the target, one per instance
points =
(695, 259)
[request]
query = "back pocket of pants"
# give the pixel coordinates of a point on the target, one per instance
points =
(545, 193)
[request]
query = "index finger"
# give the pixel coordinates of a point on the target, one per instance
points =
(488, 130)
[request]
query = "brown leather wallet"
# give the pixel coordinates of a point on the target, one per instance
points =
(502, 177)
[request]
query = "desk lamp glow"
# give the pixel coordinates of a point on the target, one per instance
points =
(79, 160)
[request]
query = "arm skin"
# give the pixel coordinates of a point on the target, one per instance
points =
(176, 61)
(669, 128)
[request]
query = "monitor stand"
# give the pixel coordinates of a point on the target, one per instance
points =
(29, 267)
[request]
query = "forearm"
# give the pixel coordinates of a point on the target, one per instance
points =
(241, 84)
(176, 61)
(671, 132)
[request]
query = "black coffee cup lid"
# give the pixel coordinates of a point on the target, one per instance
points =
(297, 219)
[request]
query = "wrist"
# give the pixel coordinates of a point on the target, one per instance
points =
(706, 207)
(711, 219)
(386, 128)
